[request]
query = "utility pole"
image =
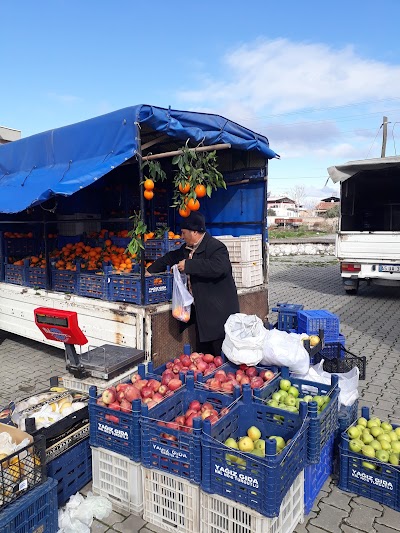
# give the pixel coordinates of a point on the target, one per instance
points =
(384, 136)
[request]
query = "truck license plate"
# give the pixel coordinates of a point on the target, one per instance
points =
(389, 268)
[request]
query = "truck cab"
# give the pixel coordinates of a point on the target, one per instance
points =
(368, 239)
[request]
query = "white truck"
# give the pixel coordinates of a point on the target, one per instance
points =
(368, 239)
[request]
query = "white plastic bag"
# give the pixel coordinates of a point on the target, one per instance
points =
(181, 297)
(78, 514)
(244, 339)
(348, 382)
(285, 349)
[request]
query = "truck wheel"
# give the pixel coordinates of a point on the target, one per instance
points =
(352, 289)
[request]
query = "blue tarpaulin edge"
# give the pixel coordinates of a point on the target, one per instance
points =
(65, 160)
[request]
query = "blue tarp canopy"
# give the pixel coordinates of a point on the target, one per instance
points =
(65, 160)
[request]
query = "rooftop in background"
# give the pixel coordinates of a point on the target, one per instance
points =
(9, 134)
(331, 199)
(280, 199)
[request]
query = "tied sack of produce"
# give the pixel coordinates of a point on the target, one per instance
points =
(244, 339)
(285, 349)
(181, 297)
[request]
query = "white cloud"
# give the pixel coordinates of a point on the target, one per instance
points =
(64, 98)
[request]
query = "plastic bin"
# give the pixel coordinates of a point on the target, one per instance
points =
(35, 277)
(118, 479)
(316, 475)
(63, 281)
(14, 274)
(381, 484)
(22, 471)
(93, 284)
(72, 470)
(311, 322)
(343, 363)
(287, 315)
(128, 288)
(244, 248)
(248, 274)
(347, 416)
(35, 512)
(155, 248)
(83, 385)
(19, 247)
(171, 503)
(260, 483)
(322, 425)
(180, 457)
(331, 350)
(220, 515)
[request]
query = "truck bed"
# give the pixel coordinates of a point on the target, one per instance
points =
(368, 246)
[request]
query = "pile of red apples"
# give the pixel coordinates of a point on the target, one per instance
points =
(225, 381)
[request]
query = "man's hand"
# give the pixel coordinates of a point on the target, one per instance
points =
(181, 265)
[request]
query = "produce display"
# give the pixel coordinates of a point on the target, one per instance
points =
(288, 398)
(375, 440)
(150, 391)
(203, 363)
(252, 443)
(225, 381)
(184, 422)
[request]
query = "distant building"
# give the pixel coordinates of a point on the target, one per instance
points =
(325, 204)
(282, 205)
(8, 134)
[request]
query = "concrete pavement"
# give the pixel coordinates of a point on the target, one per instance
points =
(370, 322)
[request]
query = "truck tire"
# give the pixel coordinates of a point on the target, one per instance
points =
(352, 289)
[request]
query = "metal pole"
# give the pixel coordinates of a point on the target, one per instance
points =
(142, 210)
(384, 136)
(179, 152)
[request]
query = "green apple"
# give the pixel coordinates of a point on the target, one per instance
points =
(241, 463)
(362, 421)
(368, 465)
(397, 430)
(384, 436)
(308, 398)
(368, 451)
(292, 409)
(280, 442)
(283, 394)
(367, 438)
(353, 432)
(231, 458)
(395, 444)
(272, 403)
(386, 427)
(375, 431)
(231, 443)
(293, 391)
(258, 452)
(320, 401)
(277, 396)
(254, 433)
(356, 445)
(393, 436)
(385, 445)
(259, 445)
(284, 384)
(376, 445)
(361, 428)
(246, 444)
(382, 455)
(290, 400)
(394, 459)
(373, 422)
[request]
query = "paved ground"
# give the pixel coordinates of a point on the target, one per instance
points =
(370, 322)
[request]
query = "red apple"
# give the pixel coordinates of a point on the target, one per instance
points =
(214, 384)
(194, 355)
(220, 375)
(177, 368)
(213, 419)
(126, 407)
(228, 386)
(121, 386)
(158, 397)
(243, 367)
(154, 384)
(147, 392)
(195, 404)
(172, 425)
(211, 367)
(251, 371)
(114, 405)
(170, 364)
(201, 366)
(174, 384)
(120, 395)
(112, 418)
(186, 361)
(190, 412)
(256, 382)
(162, 390)
(245, 380)
(135, 378)
(166, 379)
(208, 406)
(180, 420)
(109, 395)
(100, 402)
(132, 393)
(141, 384)
(268, 375)
(208, 358)
(218, 361)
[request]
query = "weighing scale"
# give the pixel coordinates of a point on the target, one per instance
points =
(104, 362)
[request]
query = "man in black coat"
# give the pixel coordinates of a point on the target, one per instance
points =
(206, 261)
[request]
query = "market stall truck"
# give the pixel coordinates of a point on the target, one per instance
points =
(368, 238)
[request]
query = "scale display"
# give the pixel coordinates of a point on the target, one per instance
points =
(59, 325)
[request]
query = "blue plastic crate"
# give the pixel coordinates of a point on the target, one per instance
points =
(115, 430)
(316, 475)
(127, 288)
(347, 416)
(36, 512)
(155, 248)
(287, 315)
(19, 247)
(1, 268)
(63, 281)
(230, 367)
(14, 274)
(381, 484)
(62, 240)
(172, 450)
(311, 322)
(121, 242)
(35, 277)
(331, 350)
(322, 425)
(260, 483)
(72, 470)
(93, 284)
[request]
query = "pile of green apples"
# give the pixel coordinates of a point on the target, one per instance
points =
(251, 443)
(375, 439)
(288, 399)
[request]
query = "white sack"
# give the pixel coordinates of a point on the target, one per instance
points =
(285, 349)
(244, 339)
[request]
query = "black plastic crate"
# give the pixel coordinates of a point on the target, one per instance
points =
(340, 364)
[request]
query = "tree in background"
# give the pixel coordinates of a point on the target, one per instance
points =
(333, 212)
(298, 194)
(271, 212)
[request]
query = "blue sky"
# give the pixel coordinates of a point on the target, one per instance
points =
(315, 77)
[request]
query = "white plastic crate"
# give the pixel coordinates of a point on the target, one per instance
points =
(83, 385)
(69, 225)
(119, 479)
(171, 502)
(247, 274)
(245, 248)
(221, 515)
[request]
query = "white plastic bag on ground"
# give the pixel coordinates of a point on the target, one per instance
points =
(285, 349)
(78, 514)
(348, 382)
(244, 339)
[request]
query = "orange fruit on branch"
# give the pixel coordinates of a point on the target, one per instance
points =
(193, 205)
(184, 212)
(148, 194)
(200, 190)
(148, 184)
(184, 188)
